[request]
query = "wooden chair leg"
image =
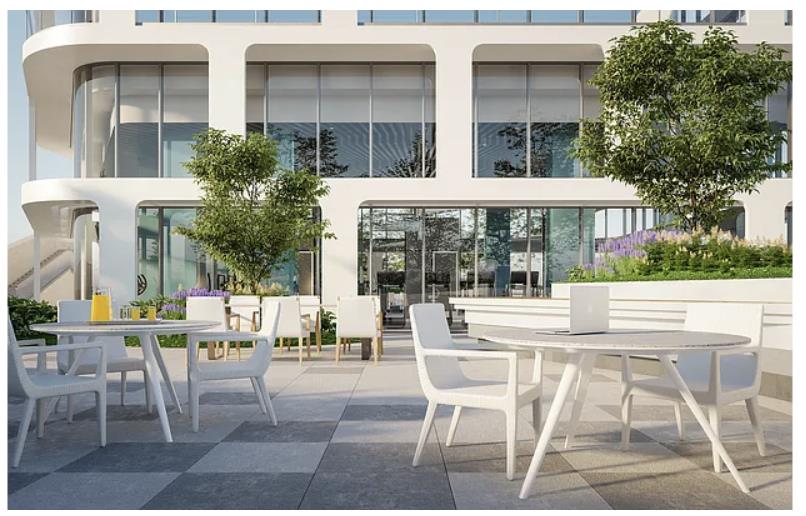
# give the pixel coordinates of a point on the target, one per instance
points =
(281, 344)
(375, 349)
(318, 333)
(299, 345)
(338, 349)
(238, 349)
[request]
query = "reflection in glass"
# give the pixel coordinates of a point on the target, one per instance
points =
(450, 16)
(607, 16)
(292, 114)
(503, 16)
(185, 114)
(555, 16)
(344, 126)
(555, 98)
(95, 116)
(148, 272)
(397, 130)
(779, 113)
(139, 121)
(501, 120)
(183, 264)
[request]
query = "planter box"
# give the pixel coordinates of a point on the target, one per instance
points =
(660, 305)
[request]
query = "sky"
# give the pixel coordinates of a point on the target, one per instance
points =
(49, 165)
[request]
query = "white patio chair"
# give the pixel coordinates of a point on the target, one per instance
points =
(443, 381)
(204, 308)
(715, 378)
(357, 317)
(310, 306)
(244, 313)
(36, 386)
(254, 368)
(290, 325)
(117, 361)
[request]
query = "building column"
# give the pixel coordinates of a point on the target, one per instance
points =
(117, 260)
(340, 255)
(227, 80)
(454, 113)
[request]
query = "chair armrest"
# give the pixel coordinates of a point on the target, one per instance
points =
(31, 342)
(61, 347)
(41, 360)
(510, 356)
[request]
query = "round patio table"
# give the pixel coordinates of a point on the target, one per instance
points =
(147, 332)
(583, 349)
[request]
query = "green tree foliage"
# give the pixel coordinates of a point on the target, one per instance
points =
(254, 212)
(684, 121)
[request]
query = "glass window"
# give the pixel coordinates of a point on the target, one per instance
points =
(728, 16)
(239, 16)
(607, 16)
(183, 264)
(292, 104)
(255, 97)
(194, 16)
(185, 114)
(99, 115)
(450, 16)
(141, 17)
(430, 120)
(555, 112)
(779, 113)
(555, 16)
(501, 120)
(139, 121)
(503, 16)
(562, 227)
(397, 116)
(692, 16)
(293, 16)
(403, 17)
(344, 129)
(148, 253)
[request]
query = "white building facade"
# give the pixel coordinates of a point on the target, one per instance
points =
(443, 136)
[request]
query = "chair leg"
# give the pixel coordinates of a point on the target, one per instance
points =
(512, 436)
(537, 417)
(41, 416)
(428, 422)
(70, 408)
(22, 431)
(258, 394)
(457, 412)
(122, 388)
(193, 403)
(755, 420)
(338, 349)
(716, 423)
(626, 421)
(226, 350)
(238, 349)
(375, 349)
(300, 346)
(100, 410)
(267, 400)
(678, 417)
(148, 390)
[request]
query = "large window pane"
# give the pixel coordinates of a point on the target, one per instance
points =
(501, 120)
(397, 115)
(99, 116)
(292, 115)
(450, 16)
(729, 16)
(503, 16)
(555, 106)
(555, 16)
(139, 121)
(607, 16)
(562, 242)
(185, 114)
(393, 16)
(293, 16)
(184, 266)
(430, 121)
(238, 16)
(344, 131)
(779, 113)
(148, 272)
(255, 97)
(194, 16)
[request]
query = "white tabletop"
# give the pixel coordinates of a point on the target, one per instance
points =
(157, 327)
(645, 341)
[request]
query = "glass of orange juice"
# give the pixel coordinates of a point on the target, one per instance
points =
(101, 309)
(152, 313)
(135, 313)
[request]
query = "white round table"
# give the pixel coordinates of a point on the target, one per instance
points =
(583, 349)
(147, 332)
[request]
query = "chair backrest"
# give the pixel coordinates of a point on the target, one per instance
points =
(356, 317)
(244, 307)
(289, 323)
(430, 330)
(204, 308)
(310, 305)
(734, 318)
(18, 382)
(261, 358)
(78, 310)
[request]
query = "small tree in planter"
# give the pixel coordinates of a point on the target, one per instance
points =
(684, 122)
(254, 212)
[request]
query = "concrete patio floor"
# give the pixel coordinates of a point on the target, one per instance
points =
(347, 435)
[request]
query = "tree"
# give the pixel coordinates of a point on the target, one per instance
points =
(253, 212)
(684, 122)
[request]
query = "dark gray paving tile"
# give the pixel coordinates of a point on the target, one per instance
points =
(232, 491)
(284, 432)
(384, 413)
(141, 457)
(491, 458)
(424, 488)
(17, 481)
(334, 370)
(744, 455)
(377, 458)
(678, 490)
(13, 400)
(119, 413)
(228, 398)
(665, 412)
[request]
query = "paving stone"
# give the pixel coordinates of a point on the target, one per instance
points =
(119, 413)
(384, 413)
(140, 457)
(376, 458)
(17, 481)
(261, 458)
(284, 432)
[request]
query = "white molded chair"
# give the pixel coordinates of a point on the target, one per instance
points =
(356, 317)
(36, 386)
(310, 307)
(242, 312)
(204, 308)
(444, 383)
(254, 368)
(118, 360)
(715, 378)
(290, 324)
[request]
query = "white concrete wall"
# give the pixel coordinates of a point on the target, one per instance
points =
(51, 56)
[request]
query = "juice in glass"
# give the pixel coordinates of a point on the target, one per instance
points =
(101, 309)
(152, 313)
(135, 313)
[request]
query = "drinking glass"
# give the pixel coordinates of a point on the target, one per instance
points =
(101, 305)
(152, 313)
(135, 313)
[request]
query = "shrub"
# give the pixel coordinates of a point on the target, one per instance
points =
(23, 312)
(671, 255)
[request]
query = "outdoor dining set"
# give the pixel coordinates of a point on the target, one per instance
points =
(712, 362)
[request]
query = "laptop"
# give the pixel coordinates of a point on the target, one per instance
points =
(590, 311)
